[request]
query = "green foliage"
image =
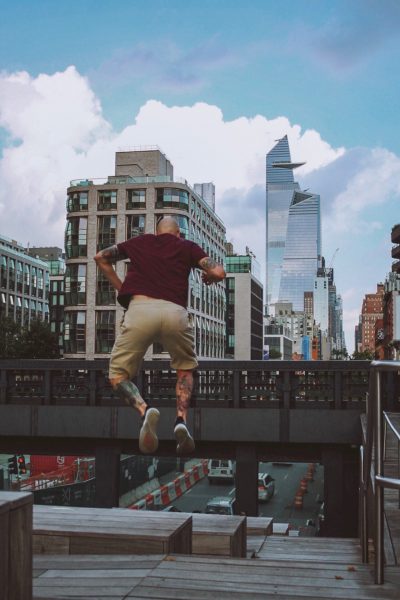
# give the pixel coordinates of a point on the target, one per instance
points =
(38, 341)
(339, 354)
(365, 355)
(10, 338)
(274, 353)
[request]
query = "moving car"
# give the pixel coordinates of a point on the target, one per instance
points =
(221, 505)
(266, 487)
(221, 470)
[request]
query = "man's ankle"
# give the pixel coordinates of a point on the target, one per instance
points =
(179, 420)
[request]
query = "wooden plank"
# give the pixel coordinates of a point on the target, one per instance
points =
(280, 528)
(17, 558)
(50, 544)
(259, 526)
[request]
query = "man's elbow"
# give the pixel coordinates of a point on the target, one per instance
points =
(99, 259)
(219, 273)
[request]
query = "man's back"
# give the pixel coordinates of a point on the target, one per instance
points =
(159, 267)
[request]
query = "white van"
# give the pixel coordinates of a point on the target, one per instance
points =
(221, 470)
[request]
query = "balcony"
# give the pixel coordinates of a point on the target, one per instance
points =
(396, 266)
(396, 251)
(396, 234)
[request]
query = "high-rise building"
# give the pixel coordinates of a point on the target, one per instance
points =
(293, 231)
(244, 311)
(372, 311)
(24, 284)
(55, 260)
(207, 192)
(127, 204)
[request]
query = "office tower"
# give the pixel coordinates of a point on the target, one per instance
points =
(24, 284)
(55, 260)
(302, 249)
(280, 187)
(101, 213)
(207, 192)
(321, 302)
(371, 312)
(293, 231)
(244, 310)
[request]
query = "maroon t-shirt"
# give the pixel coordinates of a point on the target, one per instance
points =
(159, 267)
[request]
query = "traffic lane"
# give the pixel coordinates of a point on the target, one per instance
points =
(280, 506)
(287, 481)
(196, 497)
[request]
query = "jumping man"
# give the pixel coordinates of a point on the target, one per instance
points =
(154, 292)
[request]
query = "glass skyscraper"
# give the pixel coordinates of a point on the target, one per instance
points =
(293, 231)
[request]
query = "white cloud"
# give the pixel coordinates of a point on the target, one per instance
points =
(57, 132)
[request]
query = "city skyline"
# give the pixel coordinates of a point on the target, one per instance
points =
(213, 87)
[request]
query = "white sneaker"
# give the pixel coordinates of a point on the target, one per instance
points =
(185, 441)
(148, 440)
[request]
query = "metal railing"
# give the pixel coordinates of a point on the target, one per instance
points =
(372, 467)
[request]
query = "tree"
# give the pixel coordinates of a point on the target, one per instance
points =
(364, 355)
(339, 354)
(38, 341)
(10, 338)
(274, 353)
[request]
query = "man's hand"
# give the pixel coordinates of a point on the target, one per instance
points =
(212, 271)
(104, 260)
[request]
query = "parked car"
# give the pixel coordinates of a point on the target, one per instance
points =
(266, 487)
(221, 470)
(221, 505)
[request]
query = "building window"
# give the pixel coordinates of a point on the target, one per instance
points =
(40, 283)
(3, 272)
(75, 284)
(107, 200)
(76, 237)
(135, 199)
(75, 332)
(77, 201)
(135, 225)
(20, 277)
(106, 231)
(105, 331)
(105, 293)
(172, 198)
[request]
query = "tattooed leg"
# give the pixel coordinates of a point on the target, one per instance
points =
(129, 393)
(184, 387)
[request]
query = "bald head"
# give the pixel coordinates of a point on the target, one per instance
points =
(168, 225)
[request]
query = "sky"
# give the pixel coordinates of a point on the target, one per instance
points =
(214, 84)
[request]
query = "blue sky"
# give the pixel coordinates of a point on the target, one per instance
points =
(79, 77)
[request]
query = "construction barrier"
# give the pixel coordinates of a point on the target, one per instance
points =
(172, 490)
(298, 499)
(303, 485)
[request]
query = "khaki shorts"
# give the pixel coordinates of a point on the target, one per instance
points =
(148, 321)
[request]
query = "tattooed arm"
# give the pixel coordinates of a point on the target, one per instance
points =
(105, 260)
(212, 271)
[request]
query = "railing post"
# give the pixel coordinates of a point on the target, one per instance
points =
(236, 388)
(3, 385)
(379, 490)
(363, 510)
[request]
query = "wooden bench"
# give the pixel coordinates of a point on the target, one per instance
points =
(258, 528)
(222, 535)
(280, 528)
(15, 546)
(67, 530)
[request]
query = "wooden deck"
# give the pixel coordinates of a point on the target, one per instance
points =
(286, 569)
